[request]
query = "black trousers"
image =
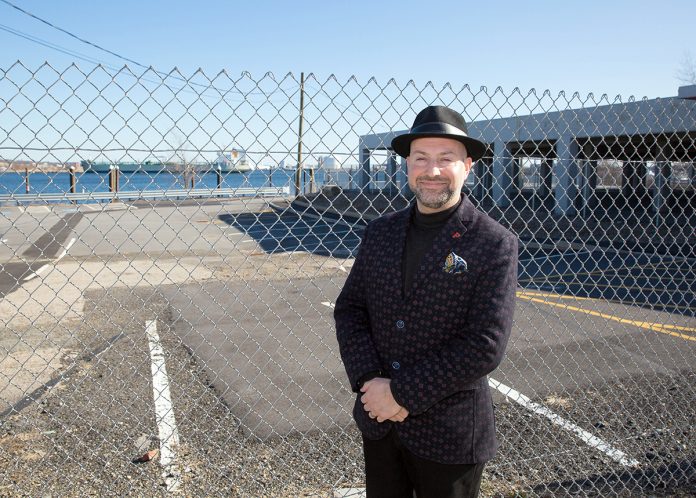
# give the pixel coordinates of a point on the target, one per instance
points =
(391, 471)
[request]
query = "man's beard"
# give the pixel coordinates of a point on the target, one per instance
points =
(434, 199)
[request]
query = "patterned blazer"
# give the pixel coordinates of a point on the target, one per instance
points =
(438, 343)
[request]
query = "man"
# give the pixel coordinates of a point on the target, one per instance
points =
(423, 317)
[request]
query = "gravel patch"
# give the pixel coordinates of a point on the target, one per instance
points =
(82, 435)
(650, 418)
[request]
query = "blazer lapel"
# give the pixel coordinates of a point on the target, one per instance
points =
(393, 254)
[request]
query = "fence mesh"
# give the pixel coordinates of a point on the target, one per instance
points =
(172, 246)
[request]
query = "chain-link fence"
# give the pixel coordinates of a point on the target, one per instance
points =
(172, 246)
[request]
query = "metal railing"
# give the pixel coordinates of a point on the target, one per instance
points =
(147, 194)
(189, 347)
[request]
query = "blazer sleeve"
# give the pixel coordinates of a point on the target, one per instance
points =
(477, 350)
(353, 330)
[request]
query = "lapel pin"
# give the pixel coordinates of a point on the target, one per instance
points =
(456, 235)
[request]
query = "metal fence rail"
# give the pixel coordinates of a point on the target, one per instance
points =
(181, 341)
(146, 194)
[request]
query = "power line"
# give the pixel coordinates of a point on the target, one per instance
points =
(72, 35)
(91, 60)
(84, 57)
(159, 73)
(53, 46)
(334, 102)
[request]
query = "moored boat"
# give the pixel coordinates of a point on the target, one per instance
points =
(151, 167)
(235, 161)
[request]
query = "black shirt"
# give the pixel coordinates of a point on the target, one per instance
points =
(422, 231)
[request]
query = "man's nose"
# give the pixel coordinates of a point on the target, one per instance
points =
(434, 169)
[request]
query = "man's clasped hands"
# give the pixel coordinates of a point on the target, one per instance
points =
(379, 403)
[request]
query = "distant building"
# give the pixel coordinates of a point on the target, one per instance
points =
(328, 162)
(42, 166)
(640, 152)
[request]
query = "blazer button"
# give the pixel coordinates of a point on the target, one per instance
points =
(400, 324)
(396, 365)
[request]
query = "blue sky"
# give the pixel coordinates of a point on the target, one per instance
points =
(622, 47)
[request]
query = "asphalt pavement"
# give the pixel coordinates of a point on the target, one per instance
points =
(242, 297)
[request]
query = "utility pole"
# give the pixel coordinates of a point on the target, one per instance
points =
(298, 172)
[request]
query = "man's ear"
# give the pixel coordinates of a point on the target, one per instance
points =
(468, 162)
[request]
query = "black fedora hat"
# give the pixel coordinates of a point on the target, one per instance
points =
(438, 121)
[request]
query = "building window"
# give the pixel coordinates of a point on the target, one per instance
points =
(609, 174)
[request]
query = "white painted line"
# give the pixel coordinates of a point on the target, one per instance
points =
(328, 304)
(65, 251)
(37, 272)
(349, 493)
(164, 413)
(46, 266)
(591, 440)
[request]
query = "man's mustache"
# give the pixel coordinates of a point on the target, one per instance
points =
(431, 179)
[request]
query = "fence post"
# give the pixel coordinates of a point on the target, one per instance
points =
(71, 172)
(26, 179)
(113, 180)
(298, 173)
(72, 179)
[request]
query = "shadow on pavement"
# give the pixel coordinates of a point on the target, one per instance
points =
(290, 232)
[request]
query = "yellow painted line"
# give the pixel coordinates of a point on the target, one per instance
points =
(677, 327)
(656, 327)
(555, 296)
(579, 298)
(522, 293)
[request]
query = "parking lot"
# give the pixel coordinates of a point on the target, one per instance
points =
(597, 385)
(639, 278)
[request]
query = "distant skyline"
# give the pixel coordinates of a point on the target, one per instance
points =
(622, 48)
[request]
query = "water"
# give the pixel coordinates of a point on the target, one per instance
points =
(13, 183)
